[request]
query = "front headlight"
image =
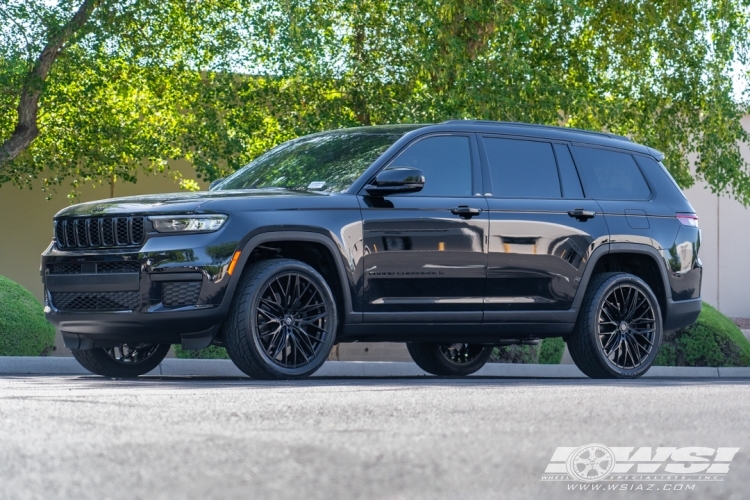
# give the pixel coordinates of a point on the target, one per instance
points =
(188, 224)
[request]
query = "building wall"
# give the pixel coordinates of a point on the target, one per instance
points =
(725, 249)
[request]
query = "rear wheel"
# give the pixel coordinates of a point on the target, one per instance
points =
(122, 361)
(283, 321)
(449, 359)
(619, 328)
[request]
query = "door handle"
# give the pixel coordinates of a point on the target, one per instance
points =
(581, 214)
(465, 211)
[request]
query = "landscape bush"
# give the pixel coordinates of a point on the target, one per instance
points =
(24, 331)
(548, 352)
(714, 340)
(210, 352)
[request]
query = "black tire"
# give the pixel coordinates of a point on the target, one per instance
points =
(619, 328)
(253, 341)
(449, 360)
(139, 360)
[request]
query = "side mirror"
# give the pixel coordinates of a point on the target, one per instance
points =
(396, 180)
(214, 184)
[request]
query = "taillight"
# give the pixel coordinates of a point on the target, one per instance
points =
(688, 219)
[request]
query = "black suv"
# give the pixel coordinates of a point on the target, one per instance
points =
(454, 238)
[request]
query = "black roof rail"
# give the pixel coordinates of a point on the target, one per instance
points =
(547, 127)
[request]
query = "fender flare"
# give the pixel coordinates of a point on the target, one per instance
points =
(250, 242)
(615, 248)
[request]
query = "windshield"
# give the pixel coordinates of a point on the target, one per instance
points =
(328, 162)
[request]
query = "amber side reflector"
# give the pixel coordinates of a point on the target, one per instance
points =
(235, 258)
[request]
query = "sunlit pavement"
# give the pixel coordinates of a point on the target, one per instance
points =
(167, 437)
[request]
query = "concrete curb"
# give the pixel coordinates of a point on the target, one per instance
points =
(22, 365)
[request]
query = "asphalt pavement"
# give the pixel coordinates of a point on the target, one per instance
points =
(83, 437)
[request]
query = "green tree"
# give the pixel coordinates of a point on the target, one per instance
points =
(659, 72)
(105, 82)
(218, 81)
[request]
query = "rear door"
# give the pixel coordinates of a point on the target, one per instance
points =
(425, 258)
(614, 179)
(542, 228)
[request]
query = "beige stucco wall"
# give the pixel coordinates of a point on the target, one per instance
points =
(725, 250)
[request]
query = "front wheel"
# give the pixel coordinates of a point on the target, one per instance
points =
(283, 320)
(449, 359)
(619, 328)
(122, 361)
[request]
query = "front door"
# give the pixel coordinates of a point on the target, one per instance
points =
(542, 229)
(425, 253)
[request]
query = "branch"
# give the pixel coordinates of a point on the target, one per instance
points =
(28, 108)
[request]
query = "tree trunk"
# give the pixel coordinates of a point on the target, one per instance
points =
(28, 107)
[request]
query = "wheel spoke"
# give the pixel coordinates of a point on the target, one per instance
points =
(612, 338)
(304, 337)
(271, 317)
(314, 319)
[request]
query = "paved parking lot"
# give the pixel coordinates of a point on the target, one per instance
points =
(88, 437)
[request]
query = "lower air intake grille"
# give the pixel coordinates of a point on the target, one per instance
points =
(96, 301)
(126, 266)
(184, 293)
(66, 268)
(116, 266)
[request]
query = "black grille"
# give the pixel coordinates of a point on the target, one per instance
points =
(59, 232)
(99, 232)
(126, 266)
(184, 293)
(94, 232)
(118, 267)
(66, 268)
(108, 232)
(122, 231)
(95, 301)
(136, 229)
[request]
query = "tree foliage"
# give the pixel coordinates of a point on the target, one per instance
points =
(217, 82)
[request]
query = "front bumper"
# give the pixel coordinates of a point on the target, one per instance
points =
(171, 290)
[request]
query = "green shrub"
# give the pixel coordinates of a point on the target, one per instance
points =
(548, 352)
(712, 341)
(528, 354)
(552, 351)
(210, 352)
(24, 331)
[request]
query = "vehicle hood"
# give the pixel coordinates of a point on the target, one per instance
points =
(172, 203)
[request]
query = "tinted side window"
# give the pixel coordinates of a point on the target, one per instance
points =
(522, 169)
(445, 162)
(611, 175)
(571, 184)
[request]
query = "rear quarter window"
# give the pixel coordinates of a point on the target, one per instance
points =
(611, 175)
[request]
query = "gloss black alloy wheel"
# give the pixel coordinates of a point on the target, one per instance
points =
(449, 359)
(283, 320)
(291, 320)
(619, 328)
(626, 327)
(123, 360)
(461, 354)
(131, 353)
